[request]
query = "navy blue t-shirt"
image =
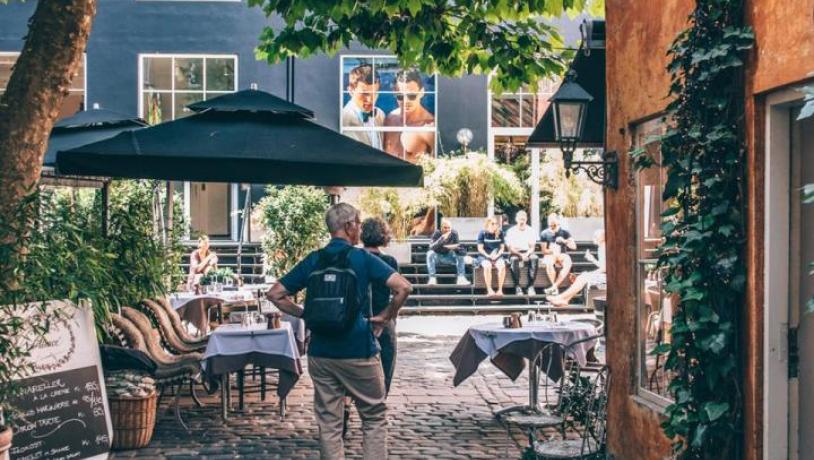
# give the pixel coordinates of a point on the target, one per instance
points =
(359, 342)
(490, 241)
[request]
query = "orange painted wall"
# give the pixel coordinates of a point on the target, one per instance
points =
(638, 34)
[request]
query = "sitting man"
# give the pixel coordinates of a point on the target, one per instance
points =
(445, 247)
(521, 242)
(555, 241)
(593, 278)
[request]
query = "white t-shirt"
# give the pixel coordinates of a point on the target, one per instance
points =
(522, 240)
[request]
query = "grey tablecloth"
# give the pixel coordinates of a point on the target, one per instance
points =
(507, 348)
(232, 347)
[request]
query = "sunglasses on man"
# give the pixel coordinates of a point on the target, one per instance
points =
(410, 97)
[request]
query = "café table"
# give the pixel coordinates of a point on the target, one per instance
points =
(194, 308)
(507, 349)
(232, 347)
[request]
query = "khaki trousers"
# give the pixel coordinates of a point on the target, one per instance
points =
(361, 379)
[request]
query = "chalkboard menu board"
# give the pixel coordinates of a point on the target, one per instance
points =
(62, 408)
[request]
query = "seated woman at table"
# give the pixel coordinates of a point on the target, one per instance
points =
(201, 261)
(595, 278)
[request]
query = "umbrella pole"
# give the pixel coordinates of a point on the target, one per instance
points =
(170, 204)
(246, 215)
(105, 207)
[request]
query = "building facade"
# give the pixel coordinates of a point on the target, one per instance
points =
(778, 408)
(150, 58)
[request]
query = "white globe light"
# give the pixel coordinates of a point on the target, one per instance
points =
(464, 136)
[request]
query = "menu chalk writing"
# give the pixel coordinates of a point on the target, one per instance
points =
(60, 416)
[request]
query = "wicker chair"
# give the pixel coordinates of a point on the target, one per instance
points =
(169, 372)
(177, 325)
(169, 336)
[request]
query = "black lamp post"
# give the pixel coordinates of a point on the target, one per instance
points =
(570, 106)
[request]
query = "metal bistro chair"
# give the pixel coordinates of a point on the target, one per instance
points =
(590, 421)
(546, 416)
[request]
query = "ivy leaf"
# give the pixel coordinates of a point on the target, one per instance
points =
(715, 410)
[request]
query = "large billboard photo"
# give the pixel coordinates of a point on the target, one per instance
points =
(388, 107)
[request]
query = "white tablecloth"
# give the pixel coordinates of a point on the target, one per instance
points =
(491, 338)
(234, 339)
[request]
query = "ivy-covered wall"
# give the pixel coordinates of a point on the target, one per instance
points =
(638, 35)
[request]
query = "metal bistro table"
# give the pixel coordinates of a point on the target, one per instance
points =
(232, 347)
(508, 348)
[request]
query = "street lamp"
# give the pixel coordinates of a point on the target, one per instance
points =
(570, 106)
(464, 137)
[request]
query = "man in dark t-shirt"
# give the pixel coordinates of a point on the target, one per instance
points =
(445, 247)
(348, 364)
(555, 242)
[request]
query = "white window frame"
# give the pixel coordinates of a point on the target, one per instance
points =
(70, 90)
(173, 91)
(651, 398)
(384, 129)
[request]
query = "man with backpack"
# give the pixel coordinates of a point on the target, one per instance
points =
(343, 356)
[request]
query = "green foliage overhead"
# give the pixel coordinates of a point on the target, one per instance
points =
(293, 218)
(702, 256)
(514, 39)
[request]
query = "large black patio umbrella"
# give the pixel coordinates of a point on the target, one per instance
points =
(85, 127)
(250, 136)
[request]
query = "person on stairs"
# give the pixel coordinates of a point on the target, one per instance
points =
(593, 278)
(446, 248)
(491, 248)
(555, 242)
(522, 241)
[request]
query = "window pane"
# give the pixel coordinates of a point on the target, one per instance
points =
(184, 99)
(157, 107)
(534, 106)
(158, 73)
(78, 79)
(220, 74)
(74, 102)
(506, 111)
(188, 73)
(409, 145)
(6, 62)
(656, 316)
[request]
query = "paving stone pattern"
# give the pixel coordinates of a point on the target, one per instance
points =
(429, 419)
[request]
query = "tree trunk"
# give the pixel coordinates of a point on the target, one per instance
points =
(57, 35)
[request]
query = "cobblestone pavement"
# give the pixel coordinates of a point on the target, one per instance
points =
(429, 419)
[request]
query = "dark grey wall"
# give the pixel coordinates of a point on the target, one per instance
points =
(124, 28)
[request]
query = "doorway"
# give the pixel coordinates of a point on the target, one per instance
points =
(209, 209)
(788, 330)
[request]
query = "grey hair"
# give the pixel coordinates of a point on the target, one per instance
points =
(521, 213)
(338, 215)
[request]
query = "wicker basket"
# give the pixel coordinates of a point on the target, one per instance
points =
(133, 420)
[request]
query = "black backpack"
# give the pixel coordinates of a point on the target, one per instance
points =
(332, 300)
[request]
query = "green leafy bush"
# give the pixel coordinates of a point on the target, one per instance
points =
(293, 219)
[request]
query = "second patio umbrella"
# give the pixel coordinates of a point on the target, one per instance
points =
(250, 136)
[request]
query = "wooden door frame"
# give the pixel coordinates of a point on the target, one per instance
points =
(777, 388)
